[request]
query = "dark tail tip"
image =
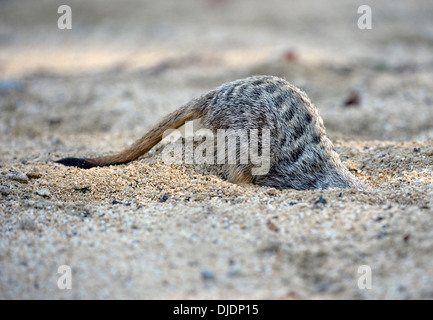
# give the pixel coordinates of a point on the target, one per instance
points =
(76, 162)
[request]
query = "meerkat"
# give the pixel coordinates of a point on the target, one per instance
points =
(301, 155)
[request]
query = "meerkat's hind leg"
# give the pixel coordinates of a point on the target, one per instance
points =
(239, 174)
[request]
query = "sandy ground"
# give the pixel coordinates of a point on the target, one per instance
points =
(147, 230)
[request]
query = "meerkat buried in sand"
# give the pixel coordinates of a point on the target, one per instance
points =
(301, 155)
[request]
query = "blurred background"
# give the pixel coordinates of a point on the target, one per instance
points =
(124, 64)
(141, 33)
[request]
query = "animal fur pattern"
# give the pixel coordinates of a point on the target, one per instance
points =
(301, 155)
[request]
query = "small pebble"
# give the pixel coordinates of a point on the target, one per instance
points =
(17, 176)
(44, 192)
(83, 190)
(272, 191)
(11, 85)
(352, 165)
(164, 199)
(272, 226)
(4, 191)
(34, 175)
(290, 56)
(354, 99)
(199, 197)
(207, 275)
(321, 200)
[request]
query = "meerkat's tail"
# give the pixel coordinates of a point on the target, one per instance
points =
(190, 111)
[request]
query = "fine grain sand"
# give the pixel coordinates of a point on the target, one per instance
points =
(149, 230)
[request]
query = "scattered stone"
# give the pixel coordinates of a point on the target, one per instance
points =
(164, 199)
(272, 191)
(321, 200)
(290, 56)
(114, 202)
(34, 175)
(83, 190)
(353, 100)
(272, 226)
(199, 197)
(55, 121)
(382, 234)
(44, 192)
(4, 191)
(17, 176)
(84, 214)
(270, 247)
(207, 275)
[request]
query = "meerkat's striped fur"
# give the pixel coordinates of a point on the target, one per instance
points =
(301, 155)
